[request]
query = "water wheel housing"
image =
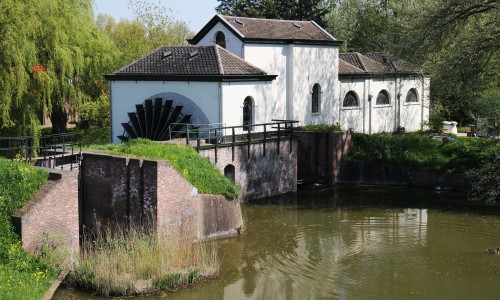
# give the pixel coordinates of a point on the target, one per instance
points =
(158, 121)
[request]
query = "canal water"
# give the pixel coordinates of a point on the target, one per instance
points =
(355, 243)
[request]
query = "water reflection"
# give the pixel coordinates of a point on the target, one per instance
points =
(352, 244)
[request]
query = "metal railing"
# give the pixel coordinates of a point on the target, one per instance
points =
(230, 136)
(44, 150)
(184, 129)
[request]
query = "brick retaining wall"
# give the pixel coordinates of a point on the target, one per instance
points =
(53, 212)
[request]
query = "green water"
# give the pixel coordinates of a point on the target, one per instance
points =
(359, 243)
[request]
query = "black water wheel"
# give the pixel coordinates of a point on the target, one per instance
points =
(158, 122)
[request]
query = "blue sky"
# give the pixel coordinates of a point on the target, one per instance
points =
(195, 13)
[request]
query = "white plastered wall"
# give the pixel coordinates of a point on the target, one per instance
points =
(372, 118)
(233, 43)
(263, 94)
(415, 115)
(382, 117)
(315, 64)
(126, 94)
(273, 60)
(352, 117)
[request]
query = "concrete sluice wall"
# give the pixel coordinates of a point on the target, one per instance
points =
(365, 173)
(117, 190)
(259, 169)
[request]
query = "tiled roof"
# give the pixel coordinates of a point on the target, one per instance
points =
(352, 63)
(270, 30)
(190, 62)
(396, 64)
(347, 68)
(253, 28)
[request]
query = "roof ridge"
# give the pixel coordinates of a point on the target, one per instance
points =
(358, 56)
(219, 59)
(239, 58)
(267, 19)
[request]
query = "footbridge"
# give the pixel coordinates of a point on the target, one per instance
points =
(260, 158)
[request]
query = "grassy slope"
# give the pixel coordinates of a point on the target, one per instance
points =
(22, 276)
(196, 169)
(418, 152)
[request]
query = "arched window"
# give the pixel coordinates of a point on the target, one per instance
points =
(220, 39)
(412, 96)
(247, 113)
(382, 98)
(230, 172)
(316, 98)
(350, 100)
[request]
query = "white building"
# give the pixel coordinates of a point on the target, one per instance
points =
(246, 70)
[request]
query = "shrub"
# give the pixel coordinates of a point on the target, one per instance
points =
(419, 152)
(95, 121)
(485, 180)
(320, 128)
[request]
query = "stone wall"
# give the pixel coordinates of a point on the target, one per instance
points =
(261, 170)
(52, 213)
(360, 172)
(319, 155)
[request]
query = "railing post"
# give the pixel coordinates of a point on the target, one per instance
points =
(249, 137)
(265, 139)
(233, 141)
(216, 145)
(279, 132)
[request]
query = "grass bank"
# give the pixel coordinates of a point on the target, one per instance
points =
(196, 169)
(416, 151)
(22, 276)
(133, 262)
(477, 159)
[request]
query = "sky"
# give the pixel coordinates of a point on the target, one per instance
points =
(196, 13)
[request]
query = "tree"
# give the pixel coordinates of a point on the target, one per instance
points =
(159, 24)
(370, 25)
(52, 57)
(459, 42)
(312, 10)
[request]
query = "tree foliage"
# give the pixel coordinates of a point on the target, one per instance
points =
(51, 55)
(312, 10)
(459, 43)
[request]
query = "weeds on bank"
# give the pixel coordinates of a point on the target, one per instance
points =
(134, 261)
(196, 169)
(22, 276)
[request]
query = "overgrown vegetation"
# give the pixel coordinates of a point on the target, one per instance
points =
(134, 261)
(478, 159)
(22, 276)
(485, 180)
(419, 152)
(95, 121)
(196, 169)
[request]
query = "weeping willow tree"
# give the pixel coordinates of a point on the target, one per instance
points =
(52, 58)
